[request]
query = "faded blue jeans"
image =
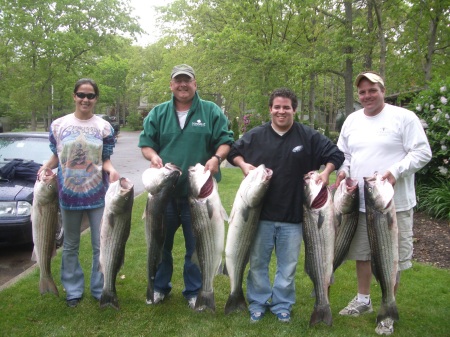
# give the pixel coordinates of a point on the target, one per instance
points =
(72, 276)
(178, 213)
(286, 239)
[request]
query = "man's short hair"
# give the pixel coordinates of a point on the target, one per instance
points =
(286, 93)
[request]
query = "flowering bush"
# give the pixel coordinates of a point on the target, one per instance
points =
(433, 189)
(433, 108)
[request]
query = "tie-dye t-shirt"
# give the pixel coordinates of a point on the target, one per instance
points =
(81, 146)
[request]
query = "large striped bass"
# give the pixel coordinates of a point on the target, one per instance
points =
(242, 227)
(319, 236)
(346, 204)
(383, 239)
(208, 216)
(44, 226)
(114, 233)
(159, 183)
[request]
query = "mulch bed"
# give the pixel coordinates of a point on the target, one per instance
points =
(431, 240)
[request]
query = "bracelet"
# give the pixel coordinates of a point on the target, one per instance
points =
(218, 158)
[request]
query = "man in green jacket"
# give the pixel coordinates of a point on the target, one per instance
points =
(183, 131)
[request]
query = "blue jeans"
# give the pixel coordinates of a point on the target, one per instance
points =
(72, 276)
(178, 213)
(286, 238)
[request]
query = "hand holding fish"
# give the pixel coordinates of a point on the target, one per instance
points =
(390, 178)
(212, 165)
(339, 177)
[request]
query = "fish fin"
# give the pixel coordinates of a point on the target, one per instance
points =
(194, 258)
(225, 270)
(205, 301)
(111, 219)
(223, 212)
(320, 220)
(109, 299)
(236, 302)
(246, 213)
(374, 270)
(321, 313)
(388, 310)
(210, 208)
(47, 285)
(34, 255)
(220, 268)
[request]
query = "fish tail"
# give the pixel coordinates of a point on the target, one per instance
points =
(205, 300)
(321, 313)
(235, 302)
(388, 310)
(109, 299)
(47, 285)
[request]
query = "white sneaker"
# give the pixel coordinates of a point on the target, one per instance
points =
(157, 298)
(385, 327)
(191, 302)
(356, 308)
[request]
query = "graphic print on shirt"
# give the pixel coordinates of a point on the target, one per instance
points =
(199, 123)
(78, 162)
(297, 148)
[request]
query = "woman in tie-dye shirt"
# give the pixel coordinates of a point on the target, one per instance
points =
(82, 144)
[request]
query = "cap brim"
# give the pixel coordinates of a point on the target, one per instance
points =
(183, 73)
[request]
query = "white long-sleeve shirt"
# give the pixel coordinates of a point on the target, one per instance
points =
(393, 140)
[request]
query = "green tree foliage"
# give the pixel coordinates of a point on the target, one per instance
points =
(49, 43)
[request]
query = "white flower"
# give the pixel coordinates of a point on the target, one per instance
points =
(435, 118)
(427, 105)
(448, 133)
(444, 100)
(431, 107)
(444, 148)
(439, 110)
(447, 116)
(443, 89)
(424, 124)
(443, 170)
(419, 107)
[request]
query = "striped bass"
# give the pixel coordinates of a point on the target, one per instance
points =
(44, 226)
(383, 239)
(159, 183)
(242, 227)
(346, 204)
(114, 233)
(208, 216)
(319, 237)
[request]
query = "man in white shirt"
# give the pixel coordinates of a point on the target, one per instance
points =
(390, 140)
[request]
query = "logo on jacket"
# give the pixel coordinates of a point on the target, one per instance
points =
(297, 148)
(199, 123)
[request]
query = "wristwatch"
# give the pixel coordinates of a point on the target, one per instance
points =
(219, 158)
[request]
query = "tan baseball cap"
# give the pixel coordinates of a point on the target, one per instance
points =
(372, 77)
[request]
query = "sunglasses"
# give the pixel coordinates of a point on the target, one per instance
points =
(82, 95)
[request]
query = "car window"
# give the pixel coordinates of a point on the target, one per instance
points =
(35, 149)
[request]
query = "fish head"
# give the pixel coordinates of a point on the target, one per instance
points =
(379, 192)
(314, 190)
(346, 197)
(201, 182)
(46, 187)
(255, 185)
(119, 195)
(155, 179)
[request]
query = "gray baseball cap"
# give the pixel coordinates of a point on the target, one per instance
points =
(183, 69)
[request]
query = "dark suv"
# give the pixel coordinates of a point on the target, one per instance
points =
(114, 124)
(16, 191)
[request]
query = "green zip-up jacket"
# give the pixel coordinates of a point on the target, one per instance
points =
(206, 128)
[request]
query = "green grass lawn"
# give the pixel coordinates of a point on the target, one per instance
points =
(423, 299)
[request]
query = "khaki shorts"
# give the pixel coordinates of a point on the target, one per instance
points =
(360, 248)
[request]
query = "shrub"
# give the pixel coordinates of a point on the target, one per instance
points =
(433, 190)
(134, 121)
(433, 108)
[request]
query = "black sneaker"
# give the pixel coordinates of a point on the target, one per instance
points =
(72, 303)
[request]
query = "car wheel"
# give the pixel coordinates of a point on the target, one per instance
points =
(59, 231)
